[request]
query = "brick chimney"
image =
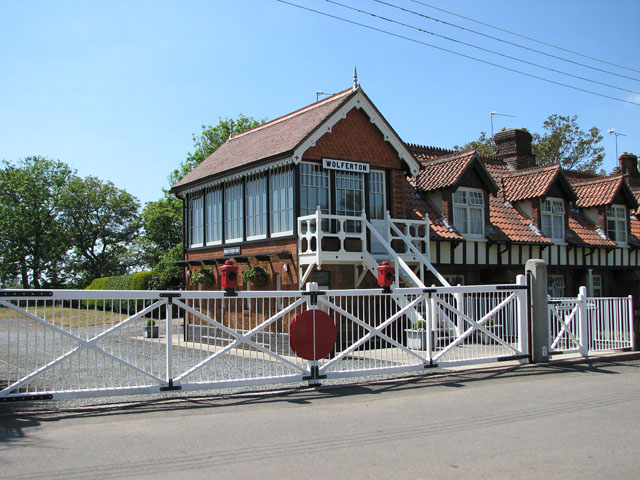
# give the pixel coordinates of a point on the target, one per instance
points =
(629, 168)
(514, 146)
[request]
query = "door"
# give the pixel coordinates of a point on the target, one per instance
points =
(377, 209)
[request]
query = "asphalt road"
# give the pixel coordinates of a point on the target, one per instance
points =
(567, 420)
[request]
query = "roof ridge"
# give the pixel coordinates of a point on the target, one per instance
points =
(537, 169)
(426, 148)
(598, 179)
(319, 103)
(448, 158)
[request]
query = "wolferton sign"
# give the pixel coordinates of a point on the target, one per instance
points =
(345, 166)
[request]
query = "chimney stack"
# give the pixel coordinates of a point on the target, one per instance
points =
(514, 146)
(629, 167)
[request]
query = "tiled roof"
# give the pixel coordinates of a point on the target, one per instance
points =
(529, 183)
(603, 191)
(511, 224)
(271, 139)
(444, 172)
(597, 191)
(424, 153)
(583, 232)
(417, 206)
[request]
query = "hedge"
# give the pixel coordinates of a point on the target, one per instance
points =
(134, 281)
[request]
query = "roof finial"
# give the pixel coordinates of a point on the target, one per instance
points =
(355, 78)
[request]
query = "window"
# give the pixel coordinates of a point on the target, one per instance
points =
(468, 211)
(281, 188)
(552, 218)
(350, 198)
(233, 211)
(556, 285)
(256, 207)
(214, 216)
(377, 205)
(196, 218)
(314, 189)
(617, 223)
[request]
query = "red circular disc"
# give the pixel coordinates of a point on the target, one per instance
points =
(301, 334)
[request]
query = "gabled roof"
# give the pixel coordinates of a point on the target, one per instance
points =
(582, 232)
(447, 171)
(602, 191)
(512, 225)
(535, 182)
(417, 206)
(290, 136)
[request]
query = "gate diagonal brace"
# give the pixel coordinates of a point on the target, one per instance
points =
(314, 296)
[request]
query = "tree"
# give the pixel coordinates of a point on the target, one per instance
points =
(102, 221)
(162, 228)
(565, 142)
(483, 145)
(562, 141)
(210, 140)
(33, 241)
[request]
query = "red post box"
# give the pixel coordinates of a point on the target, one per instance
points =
(229, 277)
(385, 276)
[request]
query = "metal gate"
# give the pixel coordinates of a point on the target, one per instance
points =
(67, 343)
(589, 324)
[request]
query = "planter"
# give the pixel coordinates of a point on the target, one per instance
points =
(152, 331)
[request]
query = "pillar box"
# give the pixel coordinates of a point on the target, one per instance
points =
(385, 276)
(229, 276)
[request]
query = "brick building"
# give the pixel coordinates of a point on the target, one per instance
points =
(327, 192)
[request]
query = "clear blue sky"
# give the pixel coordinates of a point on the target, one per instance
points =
(116, 89)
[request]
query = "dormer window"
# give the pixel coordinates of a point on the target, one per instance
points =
(617, 223)
(552, 218)
(468, 212)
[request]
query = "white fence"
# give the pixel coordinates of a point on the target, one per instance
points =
(589, 324)
(65, 343)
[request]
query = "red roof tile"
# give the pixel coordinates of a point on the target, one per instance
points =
(416, 208)
(443, 172)
(511, 224)
(600, 191)
(583, 232)
(529, 183)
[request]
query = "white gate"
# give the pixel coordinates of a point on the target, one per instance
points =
(65, 343)
(588, 324)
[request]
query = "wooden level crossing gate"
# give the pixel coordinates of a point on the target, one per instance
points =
(68, 343)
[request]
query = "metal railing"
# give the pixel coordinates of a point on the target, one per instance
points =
(589, 324)
(67, 343)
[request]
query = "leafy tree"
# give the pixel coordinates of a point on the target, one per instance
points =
(162, 228)
(102, 221)
(565, 142)
(33, 241)
(210, 140)
(483, 145)
(562, 141)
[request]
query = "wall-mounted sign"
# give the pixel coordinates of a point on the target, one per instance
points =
(231, 251)
(345, 166)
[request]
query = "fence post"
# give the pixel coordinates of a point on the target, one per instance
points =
(635, 327)
(583, 321)
(523, 332)
(539, 310)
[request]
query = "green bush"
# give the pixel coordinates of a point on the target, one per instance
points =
(98, 284)
(121, 282)
(141, 280)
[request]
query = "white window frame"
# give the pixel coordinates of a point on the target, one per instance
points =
(314, 179)
(234, 211)
(468, 201)
(350, 185)
(214, 220)
(256, 206)
(617, 217)
(596, 285)
(552, 219)
(281, 186)
(196, 220)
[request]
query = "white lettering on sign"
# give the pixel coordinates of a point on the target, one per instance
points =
(344, 165)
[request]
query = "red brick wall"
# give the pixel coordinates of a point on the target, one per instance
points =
(356, 139)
